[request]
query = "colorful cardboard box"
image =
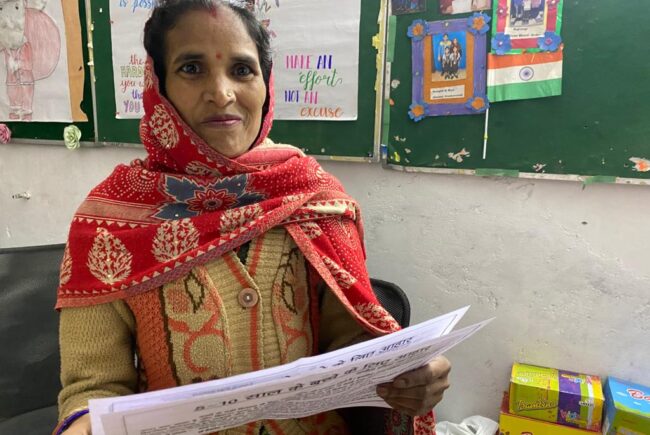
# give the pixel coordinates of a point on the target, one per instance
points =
(556, 396)
(628, 408)
(510, 424)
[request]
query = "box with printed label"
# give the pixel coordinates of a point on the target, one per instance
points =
(510, 424)
(557, 396)
(628, 408)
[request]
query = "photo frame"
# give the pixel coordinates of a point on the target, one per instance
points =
(526, 25)
(449, 67)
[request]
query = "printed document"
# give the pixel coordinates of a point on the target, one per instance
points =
(344, 378)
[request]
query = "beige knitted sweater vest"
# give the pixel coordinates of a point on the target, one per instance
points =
(225, 318)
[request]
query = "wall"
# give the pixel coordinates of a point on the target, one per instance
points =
(563, 268)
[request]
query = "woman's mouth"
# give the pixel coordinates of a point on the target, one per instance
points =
(222, 121)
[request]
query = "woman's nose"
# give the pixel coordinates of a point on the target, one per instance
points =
(219, 91)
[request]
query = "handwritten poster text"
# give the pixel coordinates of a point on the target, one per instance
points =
(129, 57)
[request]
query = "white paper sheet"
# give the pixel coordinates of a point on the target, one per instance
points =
(343, 378)
(316, 57)
(34, 83)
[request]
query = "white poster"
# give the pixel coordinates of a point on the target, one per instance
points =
(316, 57)
(129, 57)
(34, 81)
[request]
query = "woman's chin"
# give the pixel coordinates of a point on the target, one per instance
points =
(227, 148)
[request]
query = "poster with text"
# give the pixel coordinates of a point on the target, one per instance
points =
(34, 74)
(129, 57)
(315, 55)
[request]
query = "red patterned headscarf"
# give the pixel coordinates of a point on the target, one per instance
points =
(152, 221)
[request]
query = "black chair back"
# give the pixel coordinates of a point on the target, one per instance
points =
(29, 379)
(393, 299)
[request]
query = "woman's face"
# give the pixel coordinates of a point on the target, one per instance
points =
(214, 79)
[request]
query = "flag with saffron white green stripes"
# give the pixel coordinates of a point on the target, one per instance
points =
(524, 76)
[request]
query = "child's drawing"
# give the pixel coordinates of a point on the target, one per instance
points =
(261, 8)
(30, 44)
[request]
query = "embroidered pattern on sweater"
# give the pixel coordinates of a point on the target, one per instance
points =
(198, 338)
(291, 307)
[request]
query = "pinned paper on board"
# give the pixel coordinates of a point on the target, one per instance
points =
(401, 7)
(35, 81)
(449, 67)
(463, 6)
(315, 56)
(530, 25)
(127, 21)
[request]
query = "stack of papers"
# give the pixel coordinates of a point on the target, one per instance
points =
(344, 378)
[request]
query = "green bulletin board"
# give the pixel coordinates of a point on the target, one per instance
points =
(348, 139)
(592, 130)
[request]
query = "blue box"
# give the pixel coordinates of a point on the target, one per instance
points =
(627, 408)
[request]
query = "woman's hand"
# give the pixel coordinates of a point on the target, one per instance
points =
(81, 426)
(417, 392)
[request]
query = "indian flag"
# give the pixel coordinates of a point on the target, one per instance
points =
(523, 76)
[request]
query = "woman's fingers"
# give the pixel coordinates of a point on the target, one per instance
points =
(438, 368)
(418, 391)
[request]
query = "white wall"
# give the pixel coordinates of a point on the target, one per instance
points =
(563, 268)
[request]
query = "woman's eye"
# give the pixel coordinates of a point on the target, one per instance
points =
(243, 70)
(190, 68)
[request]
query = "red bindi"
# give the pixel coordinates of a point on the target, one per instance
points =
(218, 56)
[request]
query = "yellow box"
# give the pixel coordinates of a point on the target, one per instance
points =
(510, 424)
(556, 396)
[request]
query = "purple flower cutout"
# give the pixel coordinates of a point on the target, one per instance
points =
(478, 104)
(549, 42)
(417, 30)
(417, 112)
(478, 23)
(501, 43)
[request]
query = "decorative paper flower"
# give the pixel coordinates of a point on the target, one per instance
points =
(71, 136)
(416, 112)
(478, 104)
(5, 134)
(549, 42)
(501, 43)
(478, 23)
(417, 30)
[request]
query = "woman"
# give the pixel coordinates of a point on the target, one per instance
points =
(206, 259)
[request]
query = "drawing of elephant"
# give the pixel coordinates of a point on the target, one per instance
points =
(31, 44)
